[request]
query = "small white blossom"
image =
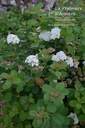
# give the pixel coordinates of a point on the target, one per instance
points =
(12, 39)
(84, 63)
(55, 81)
(55, 33)
(59, 56)
(38, 29)
(70, 61)
(32, 60)
(74, 117)
(46, 36)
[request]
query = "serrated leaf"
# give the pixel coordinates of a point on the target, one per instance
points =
(20, 86)
(47, 97)
(13, 74)
(83, 99)
(14, 111)
(4, 75)
(69, 30)
(60, 86)
(7, 84)
(8, 96)
(33, 113)
(39, 6)
(73, 103)
(77, 95)
(83, 108)
(70, 38)
(16, 81)
(46, 88)
(58, 118)
(7, 120)
(28, 126)
(22, 116)
(58, 74)
(78, 106)
(51, 108)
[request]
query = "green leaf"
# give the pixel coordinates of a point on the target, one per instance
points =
(13, 74)
(78, 105)
(32, 22)
(33, 113)
(77, 95)
(14, 111)
(82, 118)
(7, 84)
(20, 86)
(81, 48)
(83, 99)
(83, 33)
(69, 30)
(46, 88)
(63, 65)
(1, 58)
(83, 108)
(28, 126)
(4, 75)
(58, 118)
(23, 115)
(45, 124)
(63, 32)
(39, 6)
(7, 120)
(51, 108)
(71, 49)
(52, 71)
(83, 42)
(47, 97)
(8, 96)
(78, 86)
(16, 80)
(7, 54)
(58, 74)
(60, 86)
(70, 38)
(73, 103)
(63, 74)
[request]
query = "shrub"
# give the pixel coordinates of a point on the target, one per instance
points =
(42, 76)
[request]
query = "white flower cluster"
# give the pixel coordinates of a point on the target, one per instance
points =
(84, 63)
(61, 56)
(48, 35)
(32, 60)
(55, 33)
(74, 117)
(69, 61)
(12, 39)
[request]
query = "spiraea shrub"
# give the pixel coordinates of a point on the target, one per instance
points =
(42, 67)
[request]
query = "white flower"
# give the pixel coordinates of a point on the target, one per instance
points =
(84, 63)
(74, 117)
(55, 33)
(59, 56)
(70, 61)
(12, 39)
(32, 60)
(46, 36)
(38, 29)
(55, 81)
(12, 2)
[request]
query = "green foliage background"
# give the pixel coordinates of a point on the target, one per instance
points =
(31, 98)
